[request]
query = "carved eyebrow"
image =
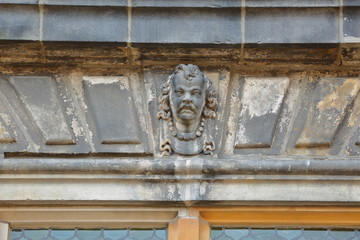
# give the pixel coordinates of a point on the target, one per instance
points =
(195, 88)
(179, 89)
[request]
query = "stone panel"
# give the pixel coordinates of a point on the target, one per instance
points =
(98, 24)
(291, 25)
(261, 112)
(19, 22)
(42, 116)
(113, 107)
(186, 26)
(40, 98)
(332, 100)
(261, 105)
(114, 111)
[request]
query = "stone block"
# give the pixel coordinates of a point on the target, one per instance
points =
(19, 1)
(19, 22)
(351, 23)
(86, 2)
(84, 24)
(186, 26)
(187, 3)
(291, 3)
(353, 3)
(291, 25)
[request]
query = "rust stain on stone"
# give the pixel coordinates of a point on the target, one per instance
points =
(339, 98)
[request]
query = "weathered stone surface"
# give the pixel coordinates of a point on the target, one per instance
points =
(40, 98)
(86, 2)
(353, 148)
(187, 182)
(353, 3)
(186, 26)
(115, 115)
(19, 1)
(105, 24)
(186, 3)
(43, 122)
(332, 98)
(290, 56)
(352, 23)
(110, 100)
(261, 110)
(261, 105)
(290, 3)
(288, 25)
(19, 22)
(5, 136)
(220, 78)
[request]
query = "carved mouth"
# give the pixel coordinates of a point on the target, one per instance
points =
(187, 109)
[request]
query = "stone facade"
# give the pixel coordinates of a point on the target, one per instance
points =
(79, 99)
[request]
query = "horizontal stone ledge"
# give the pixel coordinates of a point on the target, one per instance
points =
(250, 165)
(187, 3)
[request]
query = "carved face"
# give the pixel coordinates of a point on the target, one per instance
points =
(187, 97)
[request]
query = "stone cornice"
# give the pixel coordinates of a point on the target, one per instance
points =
(203, 22)
(178, 167)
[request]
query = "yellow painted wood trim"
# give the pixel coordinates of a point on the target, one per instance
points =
(281, 216)
(90, 217)
(189, 229)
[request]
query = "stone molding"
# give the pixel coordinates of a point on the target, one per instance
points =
(225, 23)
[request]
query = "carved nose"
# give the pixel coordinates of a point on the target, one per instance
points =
(187, 98)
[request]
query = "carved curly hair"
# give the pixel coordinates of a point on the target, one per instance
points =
(190, 71)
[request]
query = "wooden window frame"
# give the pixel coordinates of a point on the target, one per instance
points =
(292, 216)
(192, 223)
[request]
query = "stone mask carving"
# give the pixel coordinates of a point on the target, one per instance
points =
(187, 101)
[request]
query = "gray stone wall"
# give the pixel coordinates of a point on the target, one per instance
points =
(79, 89)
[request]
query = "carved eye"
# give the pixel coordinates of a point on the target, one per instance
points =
(196, 93)
(179, 92)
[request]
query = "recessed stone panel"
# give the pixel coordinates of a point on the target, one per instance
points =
(112, 106)
(40, 98)
(261, 105)
(332, 100)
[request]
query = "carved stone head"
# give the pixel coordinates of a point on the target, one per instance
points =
(187, 100)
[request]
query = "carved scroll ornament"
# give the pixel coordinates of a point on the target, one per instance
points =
(187, 101)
